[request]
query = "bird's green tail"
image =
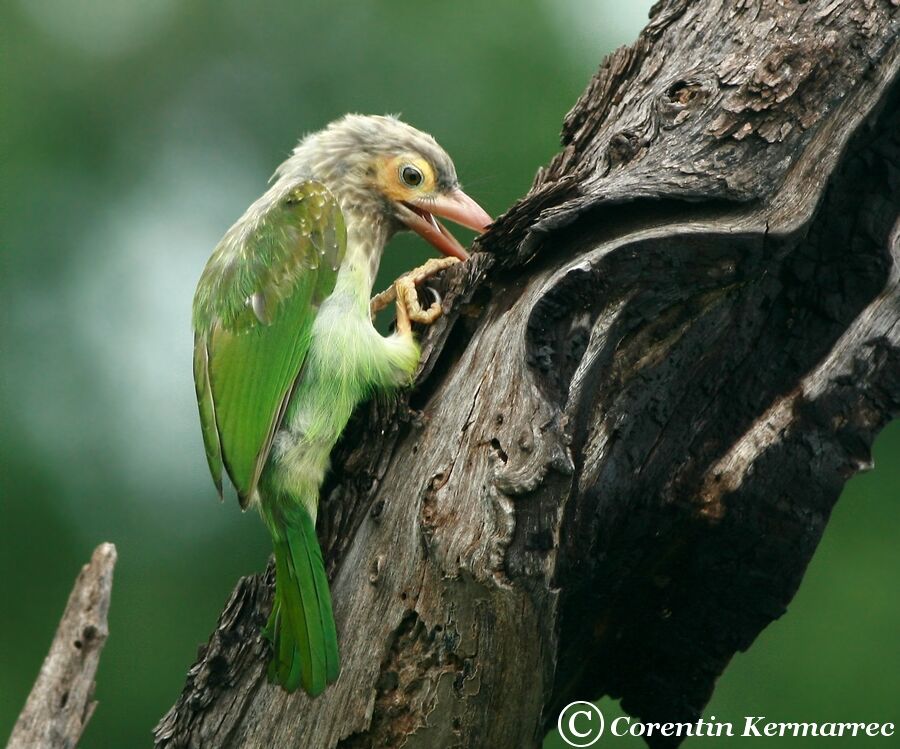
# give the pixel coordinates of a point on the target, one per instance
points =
(301, 626)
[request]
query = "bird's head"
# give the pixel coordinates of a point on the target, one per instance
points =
(388, 175)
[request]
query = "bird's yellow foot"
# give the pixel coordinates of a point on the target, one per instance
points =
(403, 291)
(429, 268)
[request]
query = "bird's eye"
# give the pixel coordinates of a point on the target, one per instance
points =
(411, 176)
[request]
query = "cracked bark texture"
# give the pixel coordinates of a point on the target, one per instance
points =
(651, 383)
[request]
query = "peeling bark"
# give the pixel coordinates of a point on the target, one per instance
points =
(629, 430)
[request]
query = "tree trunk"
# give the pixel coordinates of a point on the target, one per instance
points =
(630, 428)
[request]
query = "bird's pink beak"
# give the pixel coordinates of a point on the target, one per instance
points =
(455, 206)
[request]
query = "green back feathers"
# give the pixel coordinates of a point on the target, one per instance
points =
(253, 314)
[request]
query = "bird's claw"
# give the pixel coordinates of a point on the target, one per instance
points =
(409, 298)
(403, 291)
(429, 268)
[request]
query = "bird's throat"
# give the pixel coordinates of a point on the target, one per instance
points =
(365, 244)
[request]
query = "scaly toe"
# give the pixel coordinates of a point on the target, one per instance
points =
(433, 266)
(426, 316)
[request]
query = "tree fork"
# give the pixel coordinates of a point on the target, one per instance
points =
(630, 427)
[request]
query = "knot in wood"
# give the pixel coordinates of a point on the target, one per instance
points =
(624, 147)
(683, 98)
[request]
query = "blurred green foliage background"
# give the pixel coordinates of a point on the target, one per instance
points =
(134, 133)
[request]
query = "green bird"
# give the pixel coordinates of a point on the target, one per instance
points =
(285, 348)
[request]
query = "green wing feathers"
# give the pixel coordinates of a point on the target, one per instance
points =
(207, 412)
(301, 626)
(253, 314)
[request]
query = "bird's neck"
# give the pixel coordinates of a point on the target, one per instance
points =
(366, 238)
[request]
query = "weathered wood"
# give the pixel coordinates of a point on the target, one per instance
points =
(62, 699)
(631, 426)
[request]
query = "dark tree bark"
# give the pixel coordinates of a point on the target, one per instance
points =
(631, 426)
